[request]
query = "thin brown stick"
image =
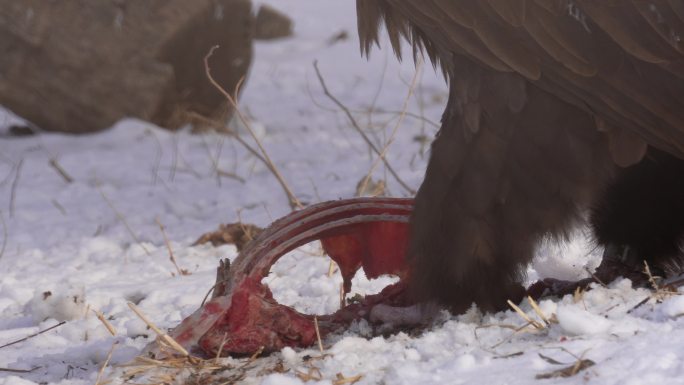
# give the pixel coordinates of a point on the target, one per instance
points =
(342, 380)
(409, 114)
(237, 137)
(294, 202)
(59, 207)
(124, 221)
(4, 235)
(538, 310)
(104, 366)
(389, 142)
(331, 268)
(356, 126)
(8, 370)
(172, 257)
(318, 334)
(220, 349)
(110, 328)
(174, 157)
(163, 336)
(60, 170)
(524, 316)
(157, 156)
(343, 296)
(32, 335)
(13, 189)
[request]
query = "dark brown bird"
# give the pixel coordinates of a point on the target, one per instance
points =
(558, 110)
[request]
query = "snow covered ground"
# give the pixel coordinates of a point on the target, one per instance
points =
(68, 249)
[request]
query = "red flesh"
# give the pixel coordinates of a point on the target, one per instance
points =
(368, 233)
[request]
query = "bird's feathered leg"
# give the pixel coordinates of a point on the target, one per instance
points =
(640, 217)
(511, 164)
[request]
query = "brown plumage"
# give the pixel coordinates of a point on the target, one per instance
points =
(551, 102)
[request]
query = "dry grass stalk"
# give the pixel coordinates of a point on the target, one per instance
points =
(60, 170)
(220, 349)
(524, 316)
(577, 295)
(332, 268)
(538, 310)
(157, 156)
(516, 329)
(214, 159)
(172, 257)
(358, 129)
(651, 279)
(343, 297)
(59, 207)
(255, 355)
(124, 221)
(32, 335)
(318, 335)
(313, 374)
(4, 235)
(220, 128)
(110, 328)
(169, 369)
(402, 115)
(660, 292)
(13, 188)
(580, 364)
(163, 336)
(8, 370)
(104, 366)
(341, 380)
(294, 202)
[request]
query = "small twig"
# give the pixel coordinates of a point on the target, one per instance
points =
(172, 257)
(220, 349)
(4, 235)
(595, 277)
(343, 299)
(312, 374)
(8, 370)
(360, 130)
(393, 135)
(638, 305)
(231, 175)
(174, 157)
(515, 332)
(214, 160)
(13, 190)
(332, 268)
(157, 157)
(538, 310)
(104, 366)
(294, 202)
(59, 207)
(524, 315)
(651, 278)
(256, 354)
(33, 335)
(318, 334)
(123, 220)
(55, 164)
(237, 137)
(342, 380)
(409, 114)
(163, 336)
(110, 328)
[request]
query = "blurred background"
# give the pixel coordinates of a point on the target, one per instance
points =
(132, 76)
